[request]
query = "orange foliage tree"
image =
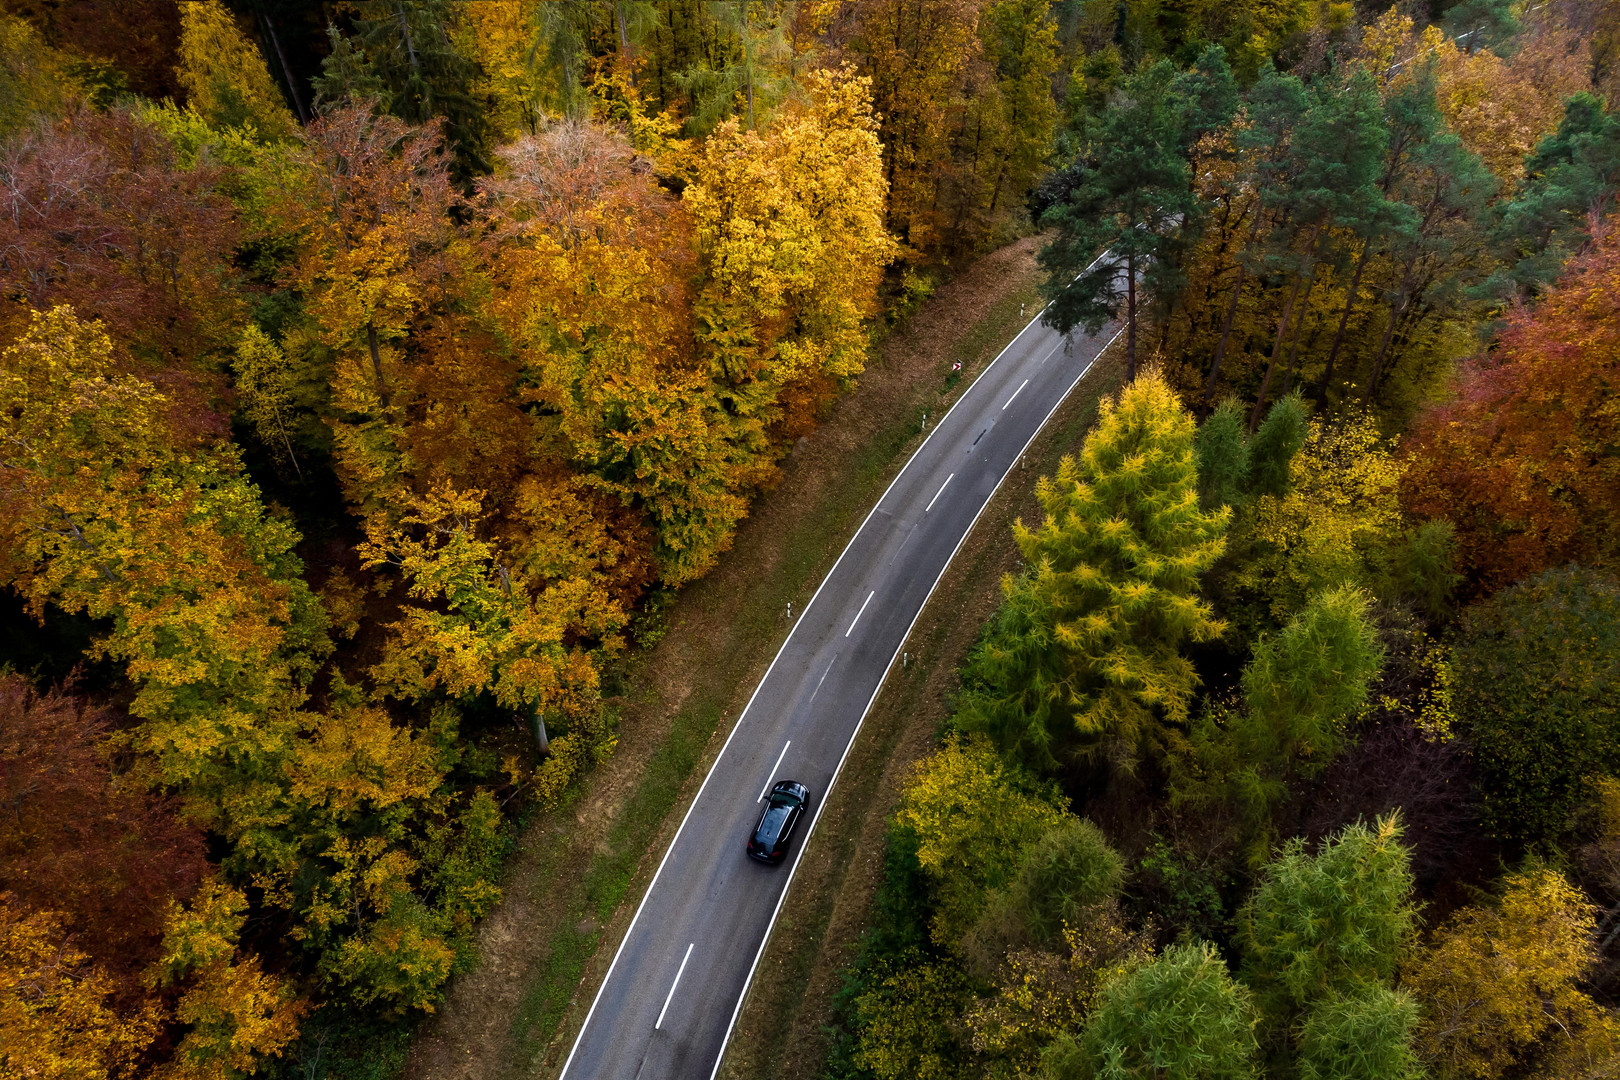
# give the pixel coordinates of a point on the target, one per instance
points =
(1523, 460)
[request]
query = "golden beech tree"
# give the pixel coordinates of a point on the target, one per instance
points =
(1502, 108)
(591, 284)
(485, 631)
(104, 515)
(380, 249)
(236, 1013)
(916, 54)
(790, 228)
(341, 818)
(57, 1017)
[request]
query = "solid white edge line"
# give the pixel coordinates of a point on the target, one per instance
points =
(772, 774)
(766, 677)
(737, 1009)
(1016, 392)
(861, 612)
(671, 995)
(942, 488)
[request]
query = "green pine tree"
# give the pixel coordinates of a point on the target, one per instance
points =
(1300, 687)
(1127, 197)
(1339, 151)
(1086, 651)
(401, 54)
(1569, 182)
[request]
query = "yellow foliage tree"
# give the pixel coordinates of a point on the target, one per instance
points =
(1343, 501)
(906, 1022)
(503, 38)
(1502, 108)
(35, 79)
(1504, 978)
(973, 822)
(591, 283)
(236, 1013)
(224, 74)
(1042, 995)
(104, 515)
(790, 228)
(56, 1022)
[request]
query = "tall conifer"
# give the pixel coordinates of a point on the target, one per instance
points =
(1087, 649)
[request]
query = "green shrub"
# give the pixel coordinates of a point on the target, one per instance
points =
(1538, 691)
(1328, 923)
(1363, 1035)
(1180, 1017)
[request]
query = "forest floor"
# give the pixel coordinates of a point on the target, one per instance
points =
(541, 950)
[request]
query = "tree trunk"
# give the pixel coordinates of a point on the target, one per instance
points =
(1299, 332)
(1130, 318)
(1276, 354)
(1231, 311)
(1344, 321)
(286, 71)
(410, 48)
(1282, 327)
(376, 362)
(1226, 332)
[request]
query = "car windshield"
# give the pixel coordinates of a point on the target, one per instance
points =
(784, 798)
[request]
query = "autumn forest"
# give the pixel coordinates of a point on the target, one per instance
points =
(374, 376)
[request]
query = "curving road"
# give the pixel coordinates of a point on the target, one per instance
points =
(667, 1005)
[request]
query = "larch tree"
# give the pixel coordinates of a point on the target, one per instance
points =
(1327, 924)
(1300, 688)
(1182, 1015)
(1366, 1034)
(1086, 652)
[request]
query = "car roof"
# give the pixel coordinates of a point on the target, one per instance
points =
(771, 822)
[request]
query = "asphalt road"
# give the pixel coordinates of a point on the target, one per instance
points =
(666, 1007)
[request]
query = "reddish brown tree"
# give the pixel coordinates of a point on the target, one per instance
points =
(140, 38)
(1523, 459)
(78, 839)
(96, 212)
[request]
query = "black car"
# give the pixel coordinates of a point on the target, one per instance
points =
(787, 804)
